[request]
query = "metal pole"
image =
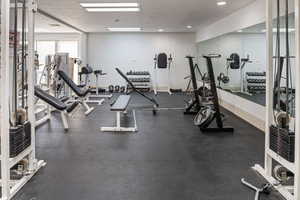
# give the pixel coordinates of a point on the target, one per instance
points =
(297, 113)
(5, 87)
(269, 85)
(32, 7)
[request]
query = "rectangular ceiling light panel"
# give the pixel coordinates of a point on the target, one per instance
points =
(109, 5)
(281, 30)
(113, 9)
(125, 29)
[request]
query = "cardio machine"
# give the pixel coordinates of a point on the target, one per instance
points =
(199, 94)
(209, 113)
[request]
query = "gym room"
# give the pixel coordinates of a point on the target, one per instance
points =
(150, 100)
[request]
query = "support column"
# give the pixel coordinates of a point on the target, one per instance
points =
(5, 86)
(269, 84)
(297, 120)
(32, 8)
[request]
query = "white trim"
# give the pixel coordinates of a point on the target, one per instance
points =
(118, 127)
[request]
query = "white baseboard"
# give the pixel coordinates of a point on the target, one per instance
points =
(247, 110)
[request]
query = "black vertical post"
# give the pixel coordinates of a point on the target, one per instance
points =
(277, 103)
(194, 82)
(213, 89)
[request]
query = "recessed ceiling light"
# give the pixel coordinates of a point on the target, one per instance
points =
(189, 26)
(109, 5)
(221, 3)
(160, 30)
(113, 9)
(124, 29)
(240, 31)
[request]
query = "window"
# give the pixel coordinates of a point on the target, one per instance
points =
(45, 48)
(70, 47)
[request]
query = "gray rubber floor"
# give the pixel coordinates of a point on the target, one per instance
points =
(168, 159)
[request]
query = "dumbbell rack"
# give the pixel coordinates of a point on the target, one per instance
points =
(140, 79)
(255, 82)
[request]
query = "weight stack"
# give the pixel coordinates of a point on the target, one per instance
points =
(282, 142)
(19, 138)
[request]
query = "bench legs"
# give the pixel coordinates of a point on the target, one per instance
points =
(64, 118)
(99, 102)
(118, 127)
(88, 108)
(42, 120)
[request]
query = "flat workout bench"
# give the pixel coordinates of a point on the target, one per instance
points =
(120, 105)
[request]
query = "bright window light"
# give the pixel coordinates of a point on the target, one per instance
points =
(124, 29)
(109, 5)
(281, 30)
(221, 3)
(240, 31)
(113, 9)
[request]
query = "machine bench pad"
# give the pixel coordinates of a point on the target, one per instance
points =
(56, 103)
(79, 92)
(121, 103)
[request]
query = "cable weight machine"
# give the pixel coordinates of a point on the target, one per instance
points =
(17, 129)
(282, 133)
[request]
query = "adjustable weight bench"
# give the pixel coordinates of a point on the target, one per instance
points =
(82, 94)
(120, 105)
(64, 109)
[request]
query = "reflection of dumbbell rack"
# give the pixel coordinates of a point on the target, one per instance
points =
(255, 82)
(140, 79)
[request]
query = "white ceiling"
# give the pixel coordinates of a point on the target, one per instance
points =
(171, 15)
(45, 25)
(259, 27)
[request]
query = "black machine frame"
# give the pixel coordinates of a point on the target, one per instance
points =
(196, 103)
(216, 106)
(134, 89)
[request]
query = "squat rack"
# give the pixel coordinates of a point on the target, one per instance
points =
(10, 187)
(288, 192)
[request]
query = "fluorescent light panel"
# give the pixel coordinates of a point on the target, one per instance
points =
(109, 5)
(124, 29)
(113, 9)
(221, 3)
(281, 30)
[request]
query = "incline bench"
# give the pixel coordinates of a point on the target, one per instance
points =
(120, 105)
(82, 94)
(64, 109)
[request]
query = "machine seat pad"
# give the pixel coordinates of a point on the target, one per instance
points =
(78, 91)
(121, 103)
(51, 100)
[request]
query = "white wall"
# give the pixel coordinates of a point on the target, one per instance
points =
(135, 51)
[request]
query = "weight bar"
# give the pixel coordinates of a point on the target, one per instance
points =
(256, 73)
(139, 79)
(256, 80)
(138, 73)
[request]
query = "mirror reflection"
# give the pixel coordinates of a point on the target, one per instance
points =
(242, 68)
